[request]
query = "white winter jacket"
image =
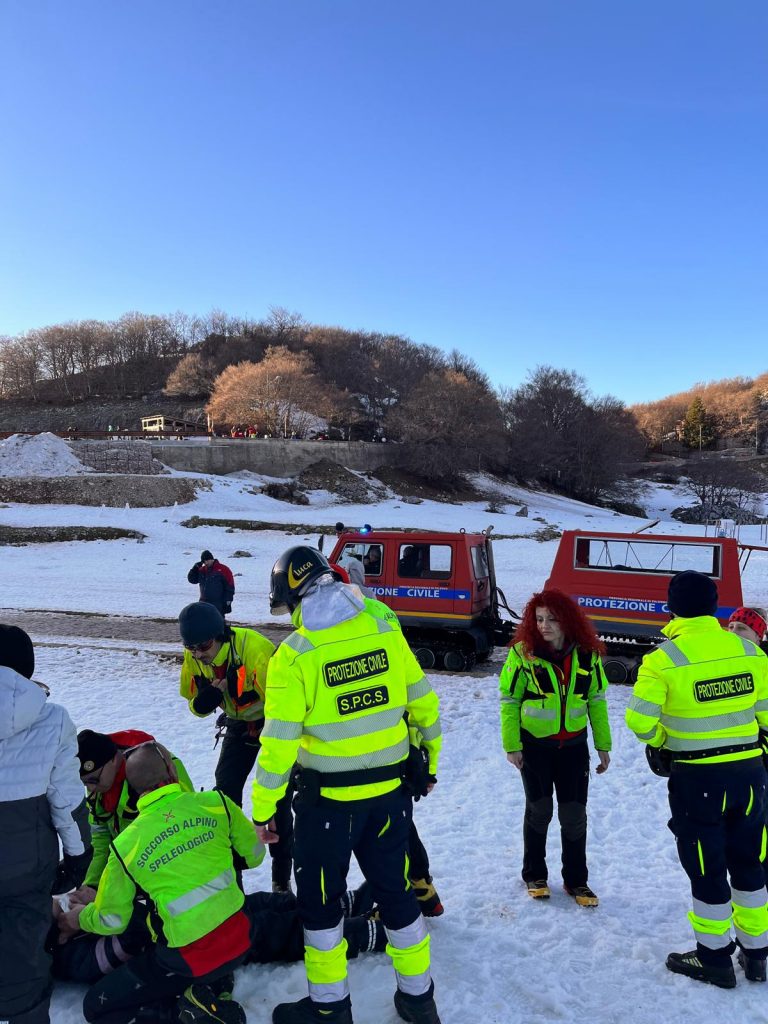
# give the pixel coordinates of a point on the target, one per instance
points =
(38, 757)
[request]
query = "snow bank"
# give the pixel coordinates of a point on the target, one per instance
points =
(38, 455)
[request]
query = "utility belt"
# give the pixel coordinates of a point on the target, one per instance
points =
(678, 756)
(249, 731)
(412, 772)
(663, 761)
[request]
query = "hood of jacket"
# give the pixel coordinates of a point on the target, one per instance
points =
(327, 603)
(21, 701)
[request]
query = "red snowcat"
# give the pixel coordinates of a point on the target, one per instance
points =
(621, 581)
(442, 587)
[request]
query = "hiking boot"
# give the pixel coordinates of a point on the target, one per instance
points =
(199, 1005)
(690, 965)
(305, 1011)
(426, 894)
(754, 969)
(582, 894)
(539, 889)
(417, 1009)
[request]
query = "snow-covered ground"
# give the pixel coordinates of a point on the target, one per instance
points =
(499, 958)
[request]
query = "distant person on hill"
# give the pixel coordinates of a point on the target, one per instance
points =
(216, 582)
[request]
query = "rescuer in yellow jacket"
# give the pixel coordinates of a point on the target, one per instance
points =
(420, 874)
(178, 853)
(225, 670)
(338, 689)
(699, 702)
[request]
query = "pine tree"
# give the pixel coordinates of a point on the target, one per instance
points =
(699, 429)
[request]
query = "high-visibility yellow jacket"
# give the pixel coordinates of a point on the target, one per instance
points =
(336, 700)
(702, 690)
(179, 852)
(535, 698)
(105, 825)
(246, 657)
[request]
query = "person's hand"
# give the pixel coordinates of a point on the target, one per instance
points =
(83, 896)
(431, 784)
(605, 760)
(267, 833)
(72, 870)
(220, 684)
(69, 925)
(515, 757)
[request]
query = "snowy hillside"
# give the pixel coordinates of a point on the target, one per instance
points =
(498, 957)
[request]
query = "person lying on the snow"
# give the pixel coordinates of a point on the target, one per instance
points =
(276, 935)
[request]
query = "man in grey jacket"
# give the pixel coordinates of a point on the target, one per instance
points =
(41, 802)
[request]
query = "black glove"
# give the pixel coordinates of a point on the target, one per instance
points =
(207, 699)
(72, 870)
(227, 607)
(659, 761)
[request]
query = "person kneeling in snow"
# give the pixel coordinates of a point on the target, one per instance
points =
(179, 854)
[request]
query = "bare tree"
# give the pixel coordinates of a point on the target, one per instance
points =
(278, 396)
(724, 487)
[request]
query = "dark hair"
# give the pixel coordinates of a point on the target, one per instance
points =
(573, 622)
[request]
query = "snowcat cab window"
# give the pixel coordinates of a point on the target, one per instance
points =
(647, 556)
(425, 561)
(480, 562)
(369, 554)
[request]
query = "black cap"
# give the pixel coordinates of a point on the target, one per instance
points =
(339, 527)
(200, 622)
(16, 650)
(691, 594)
(94, 749)
(206, 556)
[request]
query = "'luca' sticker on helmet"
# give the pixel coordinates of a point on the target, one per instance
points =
(361, 666)
(727, 686)
(374, 697)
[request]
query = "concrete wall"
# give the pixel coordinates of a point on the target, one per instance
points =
(273, 457)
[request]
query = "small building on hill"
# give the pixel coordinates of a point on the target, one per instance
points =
(159, 424)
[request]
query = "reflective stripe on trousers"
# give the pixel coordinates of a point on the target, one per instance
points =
(750, 918)
(325, 961)
(409, 949)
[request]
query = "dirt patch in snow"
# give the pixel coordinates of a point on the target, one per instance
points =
(329, 476)
(408, 485)
(57, 534)
(114, 491)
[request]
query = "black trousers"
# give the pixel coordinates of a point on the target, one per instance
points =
(549, 768)
(238, 755)
(25, 986)
(419, 867)
(718, 817)
(376, 831)
(142, 984)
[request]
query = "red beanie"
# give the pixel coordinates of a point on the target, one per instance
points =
(750, 618)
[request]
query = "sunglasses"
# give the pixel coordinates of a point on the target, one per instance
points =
(200, 648)
(92, 778)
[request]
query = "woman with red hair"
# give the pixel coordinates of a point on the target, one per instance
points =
(552, 681)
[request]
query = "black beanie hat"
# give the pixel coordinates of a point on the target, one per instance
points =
(205, 555)
(16, 650)
(691, 594)
(94, 749)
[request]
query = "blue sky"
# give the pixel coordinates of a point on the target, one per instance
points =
(580, 183)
